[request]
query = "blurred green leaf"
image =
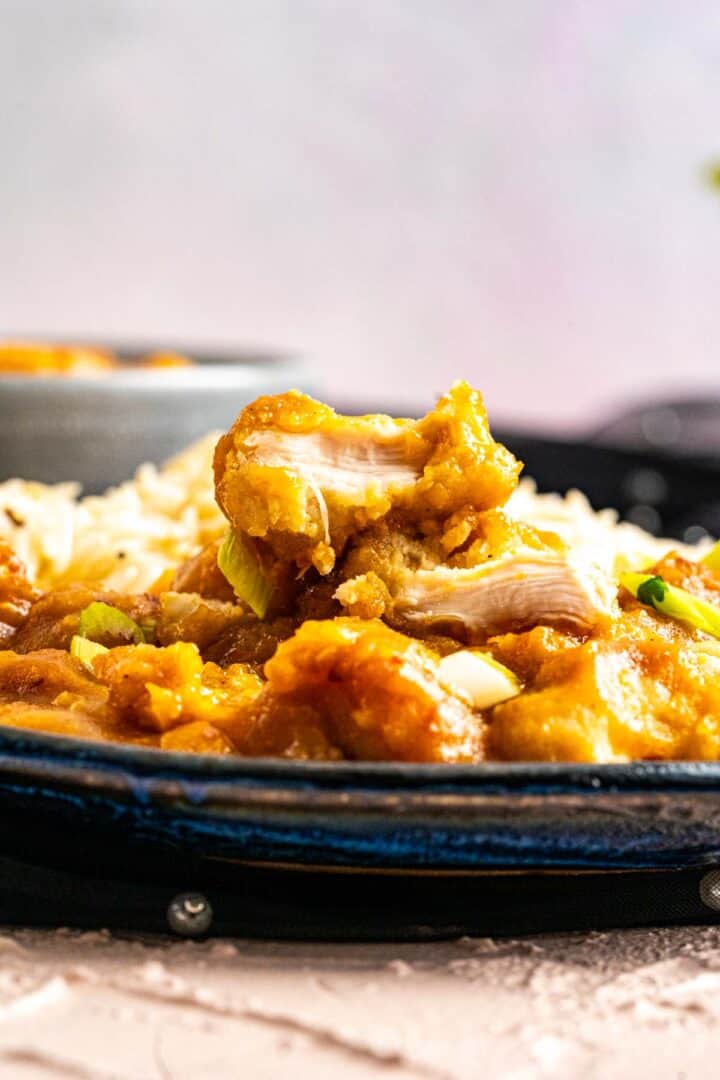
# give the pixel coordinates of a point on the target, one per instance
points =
(711, 174)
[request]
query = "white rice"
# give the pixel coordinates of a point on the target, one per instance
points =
(597, 536)
(127, 537)
(123, 539)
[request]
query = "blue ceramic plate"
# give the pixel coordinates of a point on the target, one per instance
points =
(383, 816)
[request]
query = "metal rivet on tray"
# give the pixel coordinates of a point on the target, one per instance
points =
(710, 890)
(190, 914)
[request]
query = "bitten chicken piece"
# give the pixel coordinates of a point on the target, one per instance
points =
(296, 475)
(356, 689)
(480, 575)
(16, 593)
(516, 593)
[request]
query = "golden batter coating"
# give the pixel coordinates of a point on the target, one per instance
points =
(642, 688)
(162, 688)
(355, 688)
(298, 476)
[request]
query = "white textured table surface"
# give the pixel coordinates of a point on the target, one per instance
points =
(618, 1004)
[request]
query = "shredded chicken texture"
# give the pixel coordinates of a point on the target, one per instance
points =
(296, 475)
(482, 574)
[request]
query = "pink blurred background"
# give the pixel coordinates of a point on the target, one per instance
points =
(404, 192)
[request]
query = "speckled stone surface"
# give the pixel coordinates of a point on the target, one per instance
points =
(617, 1004)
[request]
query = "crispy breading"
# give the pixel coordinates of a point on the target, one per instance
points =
(304, 479)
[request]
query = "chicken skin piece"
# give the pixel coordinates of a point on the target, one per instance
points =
(349, 688)
(17, 595)
(293, 473)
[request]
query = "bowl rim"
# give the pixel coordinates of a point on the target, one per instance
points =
(209, 365)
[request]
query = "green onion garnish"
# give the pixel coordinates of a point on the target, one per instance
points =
(104, 621)
(675, 602)
(238, 561)
(85, 650)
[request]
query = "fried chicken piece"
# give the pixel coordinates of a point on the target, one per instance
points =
(356, 689)
(626, 693)
(17, 595)
(189, 617)
(296, 475)
(42, 677)
(515, 593)
(54, 619)
(162, 688)
(51, 691)
(481, 574)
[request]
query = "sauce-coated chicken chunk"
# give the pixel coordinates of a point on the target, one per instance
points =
(356, 689)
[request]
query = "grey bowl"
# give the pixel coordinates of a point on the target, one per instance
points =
(98, 430)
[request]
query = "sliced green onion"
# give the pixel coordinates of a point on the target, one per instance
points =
(712, 559)
(149, 630)
(478, 677)
(85, 650)
(100, 620)
(677, 603)
(239, 563)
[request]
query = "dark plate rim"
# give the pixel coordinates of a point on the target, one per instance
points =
(85, 761)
